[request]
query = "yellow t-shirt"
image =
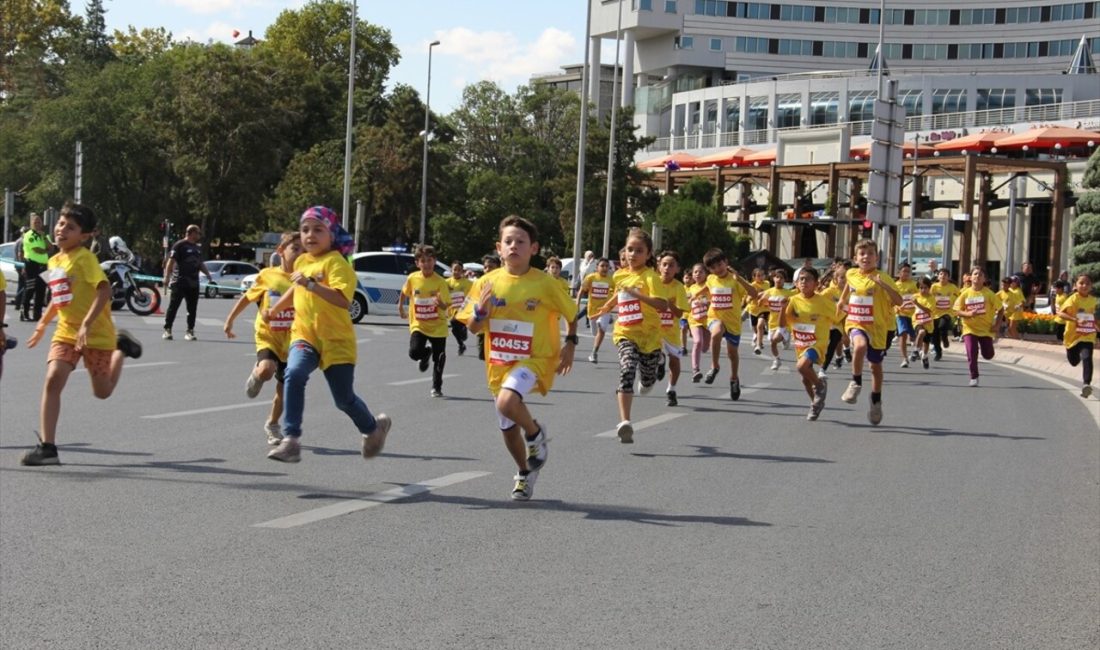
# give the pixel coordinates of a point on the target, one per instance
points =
(772, 301)
(699, 301)
(1059, 300)
(318, 322)
(1011, 301)
(944, 296)
(3, 283)
(634, 320)
(754, 306)
(564, 285)
(726, 296)
(985, 304)
(832, 292)
(424, 293)
(599, 291)
(907, 289)
(270, 284)
(923, 318)
(522, 326)
(1083, 328)
(869, 306)
(809, 320)
(459, 288)
(73, 278)
(670, 324)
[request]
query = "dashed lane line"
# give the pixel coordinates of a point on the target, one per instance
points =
(645, 424)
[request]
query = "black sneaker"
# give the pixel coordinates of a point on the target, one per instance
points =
(735, 390)
(696, 377)
(424, 364)
(129, 346)
(461, 349)
(671, 398)
(711, 374)
(848, 355)
(661, 370)
(43, 453)
(937, 355)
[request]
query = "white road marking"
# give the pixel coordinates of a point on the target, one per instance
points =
(417, 381)
(212, 409)
(354, 505)
(130, 366)
(363, 340)
(748, 390)
(374, 329)
(645, 424)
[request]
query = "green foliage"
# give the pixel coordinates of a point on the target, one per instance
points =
(1087, 203)
(1085, 230)
(691, 228)
(1086, 253)
(1091, 179)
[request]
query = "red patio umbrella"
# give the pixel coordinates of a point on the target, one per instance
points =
(724, 158)
(978, 142)
(1049, 137)
(907, 148)
(680, 159)
(760, 158)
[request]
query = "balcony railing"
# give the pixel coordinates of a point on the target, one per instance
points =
(1088, 109)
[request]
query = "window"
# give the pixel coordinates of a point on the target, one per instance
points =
(788, 110)
(824, 108)
(670, 6)
(715, 45)
(385, 263)
(1041, 96)
(861, 105)
(948, 100)
(757, 119)
(733, 115)
(685, 42)
(994, 98)
(644, 5)
(913, 101)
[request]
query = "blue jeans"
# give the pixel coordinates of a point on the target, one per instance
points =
(302, 360)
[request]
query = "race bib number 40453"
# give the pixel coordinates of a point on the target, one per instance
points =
(510, 341)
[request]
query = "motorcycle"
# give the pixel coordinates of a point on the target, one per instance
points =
(127, 289)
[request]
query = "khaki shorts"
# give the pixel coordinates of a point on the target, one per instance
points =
(98, 362)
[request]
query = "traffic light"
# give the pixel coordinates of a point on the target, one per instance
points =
(19, 203)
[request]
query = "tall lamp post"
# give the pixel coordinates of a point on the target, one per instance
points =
(427, 132)
(350, 112)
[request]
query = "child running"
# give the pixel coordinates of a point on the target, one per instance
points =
(837, 281)
(459, 286)
(553, 267)
(945, 292)
(429, 298)
(757, 310)
(322, 336)
(1012, 303)
(924, 305)
(668, 264)
(272, 338)
(597, 286)
(775, 300)
(907, 288)
(727, 293)
(639, 298)
(80, 297)
(870, 297)
(1061, 295)
(1079, 310)
(520, 307)
(979, 308)
(810, 315)
(699, 298)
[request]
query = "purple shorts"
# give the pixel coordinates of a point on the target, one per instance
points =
(874, 355)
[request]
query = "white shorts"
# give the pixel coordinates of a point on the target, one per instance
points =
(602, 322)
(672, 350)
(781, 334)
(521, 380)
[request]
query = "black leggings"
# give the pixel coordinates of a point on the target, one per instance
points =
(418, 349)
(632, 361)
(834, 343)
(179, 294)
(458, 328)
(941, 330)
(1081, 353)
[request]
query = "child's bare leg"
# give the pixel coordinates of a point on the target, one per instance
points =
(809, 376)
(859, 353)
(276, 405)
(104, 385)
(264, 370)
(716, 332)
(624, 400)
(735, 360)
(57, 375)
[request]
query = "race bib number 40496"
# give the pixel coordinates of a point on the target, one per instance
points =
(510, 341)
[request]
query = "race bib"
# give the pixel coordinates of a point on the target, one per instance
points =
(426, 308)
(599, 291)
(666, 319)
(805, 335)
(943, 302)
(699, 309)
(721, 298)
(907, 301)
(921, 317)
(861, 309)
(282, 320)
(61, 292)
(775, 304)
(1086, 323)
(630, 310)
(976, 305)
(457, 298)
(510, 341)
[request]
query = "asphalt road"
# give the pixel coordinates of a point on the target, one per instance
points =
(969, 518)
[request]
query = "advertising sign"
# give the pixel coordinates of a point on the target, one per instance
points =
(931, 241)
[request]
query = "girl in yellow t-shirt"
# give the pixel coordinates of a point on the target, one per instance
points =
(944, 291)
(322, 286)
(774, 301)
(80, 297)
(459, 286)
(809, 315)
(668, 265)
(978, 308)
(1079, 310)
(639, 298)
(272, 338)
(1011, 303)
(520, 307)
(756, 310)
(924, 305)
(699, 301)
(728, 292)
(1058, 298)
(428, 297)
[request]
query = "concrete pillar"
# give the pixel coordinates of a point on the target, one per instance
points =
(1056, 263)
(969, 179)
(595, 75)
(628, 68)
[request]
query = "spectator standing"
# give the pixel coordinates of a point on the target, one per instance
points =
(36, 253)
(1030, 284)
(181, 276)
(21, 287)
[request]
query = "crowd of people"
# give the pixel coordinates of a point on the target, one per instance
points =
(653, 307)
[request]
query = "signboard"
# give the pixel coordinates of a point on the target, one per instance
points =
(931, 241)
(884, 185)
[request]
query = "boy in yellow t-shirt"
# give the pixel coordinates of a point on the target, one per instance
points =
(272, 338)
(322, 336)
(906, 334)
(553, 267)
(924, 305)
(756, 310)
(774, 300)
(1011, 305)
(809, 316)
(944, 292)
(459, 286)
(80, 297)
(520, 308)
(668, 265)
(1079, 310)
(870, 297)
(429, 299)
(979, 309)
(597, 287)
(1061, 294)
(728, 291)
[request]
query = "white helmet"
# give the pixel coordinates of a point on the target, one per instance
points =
(118, 247)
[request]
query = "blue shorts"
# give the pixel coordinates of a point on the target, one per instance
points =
(812, 355)
(905, 325)
(873, 355)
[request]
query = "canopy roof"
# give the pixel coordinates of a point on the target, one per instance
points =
(1048, 137)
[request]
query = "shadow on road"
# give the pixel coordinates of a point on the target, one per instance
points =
(704, 451)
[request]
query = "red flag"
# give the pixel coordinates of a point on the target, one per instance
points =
(236, 33)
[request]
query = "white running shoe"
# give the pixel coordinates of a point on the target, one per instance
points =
(973, 383)
(274, 433)
(776, 363)
(625, 431)
(253, 385)
(905, 363)
(524, 486)
(374, 442)
(874, 415)
(288, 451)
(821, 374)
(851, 394)
(593, 358)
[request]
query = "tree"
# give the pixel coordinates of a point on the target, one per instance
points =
(94, 43)
(691, 224)
(137, 47)
(1086, 227)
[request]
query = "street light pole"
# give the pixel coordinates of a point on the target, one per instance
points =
(424, 173)
(578, 206)
(351, 108)
(611, 145)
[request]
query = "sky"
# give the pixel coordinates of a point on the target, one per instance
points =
(500, 40)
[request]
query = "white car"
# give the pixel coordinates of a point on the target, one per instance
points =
(8, 268)
(227, 277)
(358, 308)
(382, 274)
